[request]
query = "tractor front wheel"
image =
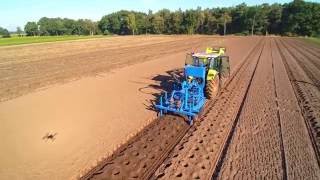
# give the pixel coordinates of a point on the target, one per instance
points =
(212, 88)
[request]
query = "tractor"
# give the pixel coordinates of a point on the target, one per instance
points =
(204, 73)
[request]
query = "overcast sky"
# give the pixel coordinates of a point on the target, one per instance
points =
(15, 13)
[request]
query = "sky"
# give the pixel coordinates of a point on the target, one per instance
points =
(14, 13)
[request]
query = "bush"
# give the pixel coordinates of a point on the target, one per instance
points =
(106, 32)
(7, 35)
(244, 33)
(4, 32)
(290, 34)
(239, 34)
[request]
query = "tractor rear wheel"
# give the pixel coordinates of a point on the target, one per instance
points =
(212, 88)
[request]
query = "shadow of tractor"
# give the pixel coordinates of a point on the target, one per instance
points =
(163, 83)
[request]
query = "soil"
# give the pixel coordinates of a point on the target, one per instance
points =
(264, 123)
(272, 135)
(68, 105)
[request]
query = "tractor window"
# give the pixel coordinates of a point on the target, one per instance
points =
(202, 61)
(214, 63)
(195, 61)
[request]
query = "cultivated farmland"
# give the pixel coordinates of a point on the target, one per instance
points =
(84, 109)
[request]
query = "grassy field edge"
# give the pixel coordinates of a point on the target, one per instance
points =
(313, 40)
(15, 40)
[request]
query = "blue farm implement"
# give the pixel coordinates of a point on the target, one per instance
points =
(202, 75)
(188, 98)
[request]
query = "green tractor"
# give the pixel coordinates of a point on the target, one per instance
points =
(217, 68)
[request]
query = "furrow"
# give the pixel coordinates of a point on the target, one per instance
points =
(301, 116)
(139, 156)
(197, 154)
(256, 150)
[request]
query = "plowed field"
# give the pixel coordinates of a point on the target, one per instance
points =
(83, 109)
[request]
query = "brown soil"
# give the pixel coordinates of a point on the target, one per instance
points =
(264, 124)
(61, 130)
(24, 69)
(273, 134)
(136, 158)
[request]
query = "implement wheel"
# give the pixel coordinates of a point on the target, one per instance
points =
(212, 88)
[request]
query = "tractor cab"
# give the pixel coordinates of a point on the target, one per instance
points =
(202, 59)
(212, 61)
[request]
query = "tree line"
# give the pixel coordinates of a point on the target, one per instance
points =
(58, 26)
(295, 18)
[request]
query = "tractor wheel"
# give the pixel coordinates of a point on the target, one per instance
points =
(212, 88)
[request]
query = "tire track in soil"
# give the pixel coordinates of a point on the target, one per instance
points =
(197, 153)
(106, 168)
(277, 99)
(308, 66)
(249, 155)
(307, 94)
(142, 154)
(308, 97)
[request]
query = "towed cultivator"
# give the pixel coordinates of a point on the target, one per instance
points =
(202, 77)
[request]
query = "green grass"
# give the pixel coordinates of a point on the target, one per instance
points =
(15, 40)
(313, 40)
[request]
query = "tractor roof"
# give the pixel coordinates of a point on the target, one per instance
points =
(205, 55)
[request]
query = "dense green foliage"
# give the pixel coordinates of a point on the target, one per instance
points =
(4, 33)
(31, 29)
(58, 26)
(295, 18)
(301, 18)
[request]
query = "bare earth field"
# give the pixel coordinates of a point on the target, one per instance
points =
(83, 109)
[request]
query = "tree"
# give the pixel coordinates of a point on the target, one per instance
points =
(250, 21)
(261, 19)
(122, 22)
(157, 24)
(31, 29)
(200, 18)
(19, 31)
(211, 24)
(148, 22)
(295, 18)
(315, 9)
(190, 21)
(87, 27)
(51, 26)
(238, 16)
(132, 22)
(298, 18)
(4, 33)
(274, 17)
(225, 19)
(71, 26)
(141, 20)
(176, 22)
